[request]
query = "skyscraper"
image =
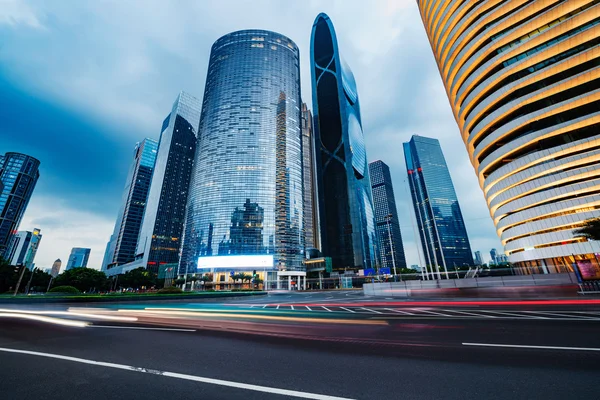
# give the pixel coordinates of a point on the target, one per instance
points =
(522, 79)
(246, 191)
(441, 227)
(162, 227)
(493, 255)
(56, 268)
(18, 174)
(121, 248)
(478, 259)
(345, 202)
(311, 223)
(79, 258)
(387, 224)
(23, 247)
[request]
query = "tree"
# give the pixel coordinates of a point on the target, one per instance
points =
(84, 279)
(138, 278)
(9, 276)
(590, 229)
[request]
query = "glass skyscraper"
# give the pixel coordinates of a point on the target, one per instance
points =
(18, 174)
(387, 224)
(121, 248)
(79, 258)
(311, 222)
(523, 78)
(160, 235)
(23, 248)
(441, 226)
(344, 189)
(246, 192)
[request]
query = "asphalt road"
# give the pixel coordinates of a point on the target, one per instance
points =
(437, 355)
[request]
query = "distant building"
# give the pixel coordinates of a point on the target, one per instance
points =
(121, 248)
(19, 175)
(162, 227)
(501, 259)
(478, 258)
(311, 221)
(387, 224)
(23, 247)
(56, 268)
(79, 258)
(415, 267)
(439, 218)
(346, 213)
(493, 255)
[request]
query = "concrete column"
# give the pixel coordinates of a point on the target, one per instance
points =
(278, 282)
(289, 282)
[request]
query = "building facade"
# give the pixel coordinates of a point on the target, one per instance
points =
(478, 259)
(387, 223)
(23, 247)
(56, 268)
(311, 217)
(439, 219)
(79, 258)
(523, 82)
(19, 175)
(245, 210)
(162, 227)
(121, 248)
(345, 201)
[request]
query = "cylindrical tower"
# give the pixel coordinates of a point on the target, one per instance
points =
(246, 191)
(523, 79)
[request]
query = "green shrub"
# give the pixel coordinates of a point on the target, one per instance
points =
(64, 289)
(169, 290)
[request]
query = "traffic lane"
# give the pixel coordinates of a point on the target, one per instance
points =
(319, 367)
(26, 376)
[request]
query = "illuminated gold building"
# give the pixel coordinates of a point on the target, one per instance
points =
(523, 81)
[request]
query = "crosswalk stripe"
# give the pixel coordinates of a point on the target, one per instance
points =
(373, 311)
(347, 309)
(435, 313)
(469, 313)
(399, 311)
(326, 308)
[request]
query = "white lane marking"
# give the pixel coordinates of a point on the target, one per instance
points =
(309, 309)
(142, 328)
(237, 385)
(504, 313)
(470, 314)
(368, 309)
(265, 306)
(569, 316)
(399, 311)
(277, 307)
(433, 312)
(326, 308)
(347, 309)
(523, 346)
(329, 298)
(292, 307)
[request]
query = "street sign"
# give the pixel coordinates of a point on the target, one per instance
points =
(384, 271)
(369, 272)
(328, 264)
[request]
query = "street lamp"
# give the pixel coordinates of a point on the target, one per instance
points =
(389, 224)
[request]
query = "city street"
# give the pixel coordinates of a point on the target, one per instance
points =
(311, 345)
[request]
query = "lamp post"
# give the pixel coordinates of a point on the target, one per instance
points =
(389, 224)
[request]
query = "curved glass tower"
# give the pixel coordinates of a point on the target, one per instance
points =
(345, 200)
(246, 191)
(523, 80)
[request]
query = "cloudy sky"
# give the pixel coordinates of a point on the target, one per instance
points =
(82, 81)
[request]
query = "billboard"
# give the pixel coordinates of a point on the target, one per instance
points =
(231, 262)
(590, 271)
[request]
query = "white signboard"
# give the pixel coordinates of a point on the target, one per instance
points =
(255, 261)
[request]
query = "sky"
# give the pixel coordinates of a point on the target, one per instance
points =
(82, 82)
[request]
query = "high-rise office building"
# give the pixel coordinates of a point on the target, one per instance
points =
(121, 248)
(478, 259)
(345, 202)
(56, 268)
(493, 255)
(311, 222)
(522, 79)
(387, 224)
(23, 247)
(79, 258)
(245, 209)
(162, 227)
(439, 219)
(18, 174)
